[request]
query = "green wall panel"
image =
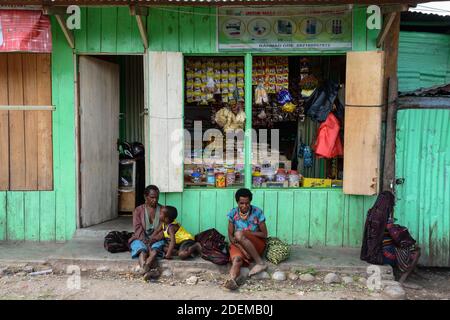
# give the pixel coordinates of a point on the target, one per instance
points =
(108, 30)
(308, 217)
(15, 222)
(423, 201)
(32, 213)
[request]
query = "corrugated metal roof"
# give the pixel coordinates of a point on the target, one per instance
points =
(201, 2)
(424, 17)
(440, 90)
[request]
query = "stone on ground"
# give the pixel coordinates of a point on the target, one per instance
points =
(363, 280)
(244, 272)
(261, 276)
(293, 276)
(307, 277)
(28, 269)
(395, 292)
(102, 269)
(347, 280)
(331, 278)
(167, 273)
(412, 286)
(279, 276)
(192, 280)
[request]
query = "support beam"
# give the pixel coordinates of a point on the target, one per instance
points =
(395, 8)
(67, 33)
(140, 12)
(386, 27)
(391, 64)
(60, 14)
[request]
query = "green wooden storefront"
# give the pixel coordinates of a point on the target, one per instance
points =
(307, 217)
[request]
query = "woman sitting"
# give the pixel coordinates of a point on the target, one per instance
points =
(247, 233)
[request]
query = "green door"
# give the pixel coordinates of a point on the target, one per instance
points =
(423, 165)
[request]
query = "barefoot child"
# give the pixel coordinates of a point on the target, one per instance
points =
(179, 239)
(180, 242)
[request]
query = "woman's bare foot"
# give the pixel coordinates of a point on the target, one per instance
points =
(257, 269)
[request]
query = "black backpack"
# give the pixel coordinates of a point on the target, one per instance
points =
(117, 241)
(214, 247)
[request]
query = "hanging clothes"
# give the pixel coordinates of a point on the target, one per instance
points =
(328, 143)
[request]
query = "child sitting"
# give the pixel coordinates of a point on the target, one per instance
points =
(179, 239)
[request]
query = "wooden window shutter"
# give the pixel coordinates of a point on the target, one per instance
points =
(26, 158)
(165, 120)
(362, 133)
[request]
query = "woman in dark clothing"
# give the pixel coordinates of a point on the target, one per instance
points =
(378, 247)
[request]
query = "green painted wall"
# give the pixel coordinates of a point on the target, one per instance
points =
(309, 217)
(423, 60)
(423, 201)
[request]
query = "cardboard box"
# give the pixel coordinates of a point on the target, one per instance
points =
(316, 183)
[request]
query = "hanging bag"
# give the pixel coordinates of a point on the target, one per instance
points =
(328, 143)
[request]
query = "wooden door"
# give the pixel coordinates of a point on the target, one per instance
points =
(362, 131)
(99, 132)
(164, 122)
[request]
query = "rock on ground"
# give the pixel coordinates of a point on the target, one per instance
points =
(395, 292)
(28, 269)
(362, 280)
(293, 276)
(279, 276)
(102, 269)
(167, 273)
(412, 286)
(347, 280)
(307, 277)
(244, 272)
(331, 278)
(261, 276)
(192, 280)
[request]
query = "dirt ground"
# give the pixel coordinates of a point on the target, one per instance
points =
(432, 284)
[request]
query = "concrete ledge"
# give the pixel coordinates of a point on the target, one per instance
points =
(89, 254)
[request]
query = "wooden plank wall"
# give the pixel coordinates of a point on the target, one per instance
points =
(46, 215)
(311, 218)
(26, 160)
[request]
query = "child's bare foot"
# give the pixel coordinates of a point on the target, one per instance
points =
(257, 269)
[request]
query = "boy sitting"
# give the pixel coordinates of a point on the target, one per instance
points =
(179, 240)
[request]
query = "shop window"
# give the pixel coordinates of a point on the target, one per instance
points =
(214, 122)
(26, 149)
(292, 98)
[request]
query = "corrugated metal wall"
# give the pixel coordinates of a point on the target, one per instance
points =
(423, 160)
(423, 60)
(132, 100)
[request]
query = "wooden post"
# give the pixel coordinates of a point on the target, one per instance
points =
(248, 121)
(391, 43)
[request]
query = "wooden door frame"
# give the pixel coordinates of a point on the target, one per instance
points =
(77, 120)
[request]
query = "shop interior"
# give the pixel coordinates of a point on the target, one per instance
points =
(301, 96)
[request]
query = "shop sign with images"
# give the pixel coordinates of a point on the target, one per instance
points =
(25, 30)
(285, 28)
